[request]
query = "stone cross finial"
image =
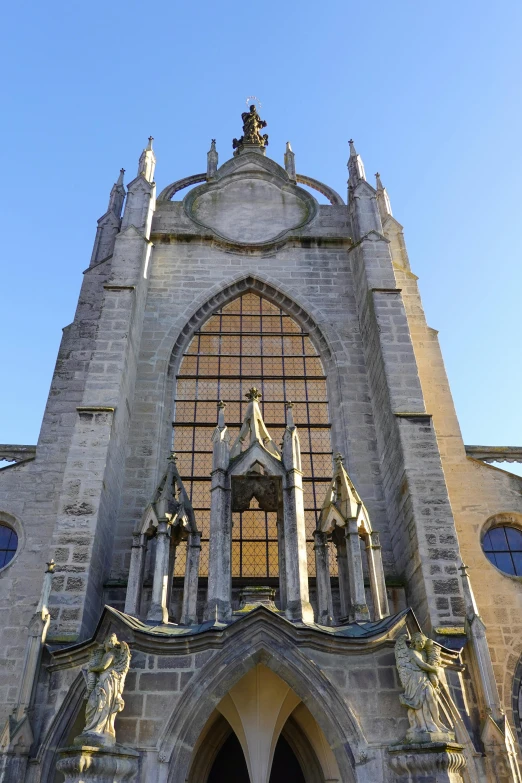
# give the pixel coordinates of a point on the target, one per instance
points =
(339, 459)
(51, 565)
(253, 394)
(173, 457)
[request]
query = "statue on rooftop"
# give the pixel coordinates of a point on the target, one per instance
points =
(252, 124)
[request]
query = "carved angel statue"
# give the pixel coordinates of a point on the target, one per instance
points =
(105, 677)
(418, 667)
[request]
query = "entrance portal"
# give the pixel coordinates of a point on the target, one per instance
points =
(230, 764)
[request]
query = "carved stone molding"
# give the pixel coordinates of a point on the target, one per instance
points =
(442, 760)
(87, 764)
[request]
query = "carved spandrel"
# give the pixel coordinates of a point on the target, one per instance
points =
(265, 489)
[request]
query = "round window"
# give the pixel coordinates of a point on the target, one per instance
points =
(8, 544)
(503, 547)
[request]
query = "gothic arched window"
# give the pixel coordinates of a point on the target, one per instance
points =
(251, 342)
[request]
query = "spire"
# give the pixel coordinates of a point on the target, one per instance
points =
(254, 426)
(382, 198)
(212, 160)
(290, 162)
(147, 162)
(117, 196)
(355, 166)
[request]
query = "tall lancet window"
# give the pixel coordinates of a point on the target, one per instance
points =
(251, 342)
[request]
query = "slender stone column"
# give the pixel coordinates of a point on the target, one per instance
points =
(219, 596)
(190, 585)
(136, 574)
(377, 581)
(158, 611)
(358, 610)
(298, 605)
(344, 579)
(281, 558)
(324, 588)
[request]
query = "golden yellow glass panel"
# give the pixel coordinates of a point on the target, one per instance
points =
(244, 368)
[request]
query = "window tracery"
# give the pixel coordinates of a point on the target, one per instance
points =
(251, 342)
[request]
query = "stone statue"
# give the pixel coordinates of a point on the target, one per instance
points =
(418, 667)
(105, 677)
(252, 124)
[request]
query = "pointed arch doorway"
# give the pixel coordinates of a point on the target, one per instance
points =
(261, 732)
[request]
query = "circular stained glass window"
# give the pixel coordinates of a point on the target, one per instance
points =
(8, 544)
(503, 547)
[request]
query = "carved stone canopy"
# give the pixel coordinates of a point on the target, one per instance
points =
(265, 489)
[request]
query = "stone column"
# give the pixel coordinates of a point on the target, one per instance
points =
(98, 765)
(190, 585)
(298, 605)
(376, 572)
(158, 612)
(344, 579)
(136, 574)
(281, 558)
(219, 598)
(436, 762)
(379, 570)
(358, 610)
(324, 588)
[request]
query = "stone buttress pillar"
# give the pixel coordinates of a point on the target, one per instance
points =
(219, 597)
(298, 605)
(323, 584)
(406, 440)
(94, 472)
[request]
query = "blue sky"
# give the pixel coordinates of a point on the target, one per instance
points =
(431, 93)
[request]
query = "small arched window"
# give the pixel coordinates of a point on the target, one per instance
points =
(251, 342)
(502, 546)
(8, 544)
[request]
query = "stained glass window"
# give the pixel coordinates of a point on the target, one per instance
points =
(503, 547)
(251, 342)
(8, 544)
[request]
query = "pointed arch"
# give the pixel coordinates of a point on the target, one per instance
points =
(219, 297)
(225, 669)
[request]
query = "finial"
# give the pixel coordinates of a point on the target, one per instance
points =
(173, 457)
(289, 414)
(289, 147)
(378, 181)
(339, 459)
(253, 394)
(213, 144)
(463, 569)
(149, 145)
(120, 178)
(221, 404)
(51, 565)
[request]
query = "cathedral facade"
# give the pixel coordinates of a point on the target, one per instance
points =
(250, 544)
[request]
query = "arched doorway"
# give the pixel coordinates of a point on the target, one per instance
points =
(261, 732)
(230, 765)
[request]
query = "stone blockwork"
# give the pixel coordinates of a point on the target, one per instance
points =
(341, 271)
